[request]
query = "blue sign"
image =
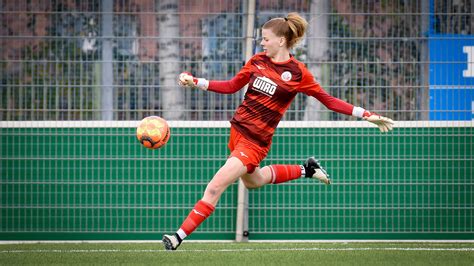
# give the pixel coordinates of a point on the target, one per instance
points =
(451, 77)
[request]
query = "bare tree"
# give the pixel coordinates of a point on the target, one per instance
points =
(318, 49)
(172, 100)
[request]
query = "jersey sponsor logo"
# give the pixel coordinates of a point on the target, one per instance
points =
(265, 85)
(286, 76)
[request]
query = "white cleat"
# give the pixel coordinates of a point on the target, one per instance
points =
(314, 170)
(321, 175)
(170, 242)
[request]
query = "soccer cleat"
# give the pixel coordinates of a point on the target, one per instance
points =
(314, 170)
(171, 242)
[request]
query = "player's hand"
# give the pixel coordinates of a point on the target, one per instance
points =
(188, 80)
(385, 124)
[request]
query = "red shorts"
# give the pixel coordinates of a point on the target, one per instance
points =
(249, 153)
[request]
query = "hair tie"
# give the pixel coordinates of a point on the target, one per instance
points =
(286, 19)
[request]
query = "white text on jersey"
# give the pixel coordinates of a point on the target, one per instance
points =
(265, 85)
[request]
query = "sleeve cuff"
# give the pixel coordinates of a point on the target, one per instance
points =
(358, 111)
(203, 84)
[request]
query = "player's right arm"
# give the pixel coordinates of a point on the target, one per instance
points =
(224, 87)
(219, 86)
(188, 80)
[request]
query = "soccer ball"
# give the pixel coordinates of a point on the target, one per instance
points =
(153, 132)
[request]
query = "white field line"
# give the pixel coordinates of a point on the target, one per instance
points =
(344, 241)
(227, 250)
(226, 124)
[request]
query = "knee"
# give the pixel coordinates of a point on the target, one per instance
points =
(214, 188)
(250, 185)
(212, 193)
(217, 185)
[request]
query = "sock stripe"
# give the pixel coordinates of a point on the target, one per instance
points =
(273, 174)
(303, 171)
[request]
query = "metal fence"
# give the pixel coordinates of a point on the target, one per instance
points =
(118, 60)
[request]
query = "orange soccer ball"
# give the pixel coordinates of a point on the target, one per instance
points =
(153, 132)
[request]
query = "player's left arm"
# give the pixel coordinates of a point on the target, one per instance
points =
(312, 88)
(385, 124)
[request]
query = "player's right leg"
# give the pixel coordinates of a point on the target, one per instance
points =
(314, 170)
(281, 173)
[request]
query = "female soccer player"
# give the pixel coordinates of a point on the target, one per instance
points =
(274, 77)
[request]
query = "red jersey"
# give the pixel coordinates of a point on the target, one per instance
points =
(272, 88)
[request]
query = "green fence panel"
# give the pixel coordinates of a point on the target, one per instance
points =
(100, 183)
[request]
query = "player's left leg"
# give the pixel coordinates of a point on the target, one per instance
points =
(227, 174)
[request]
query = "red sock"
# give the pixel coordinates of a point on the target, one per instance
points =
(201, 211)
(284, 173)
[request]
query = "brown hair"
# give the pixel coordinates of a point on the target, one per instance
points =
(292, 27)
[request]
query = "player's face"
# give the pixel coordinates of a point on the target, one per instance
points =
(271, 43)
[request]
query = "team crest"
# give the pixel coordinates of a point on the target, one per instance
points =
(286, 76)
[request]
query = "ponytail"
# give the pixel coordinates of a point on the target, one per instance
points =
(292, 27)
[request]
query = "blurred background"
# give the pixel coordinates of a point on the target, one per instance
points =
(118, 60)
